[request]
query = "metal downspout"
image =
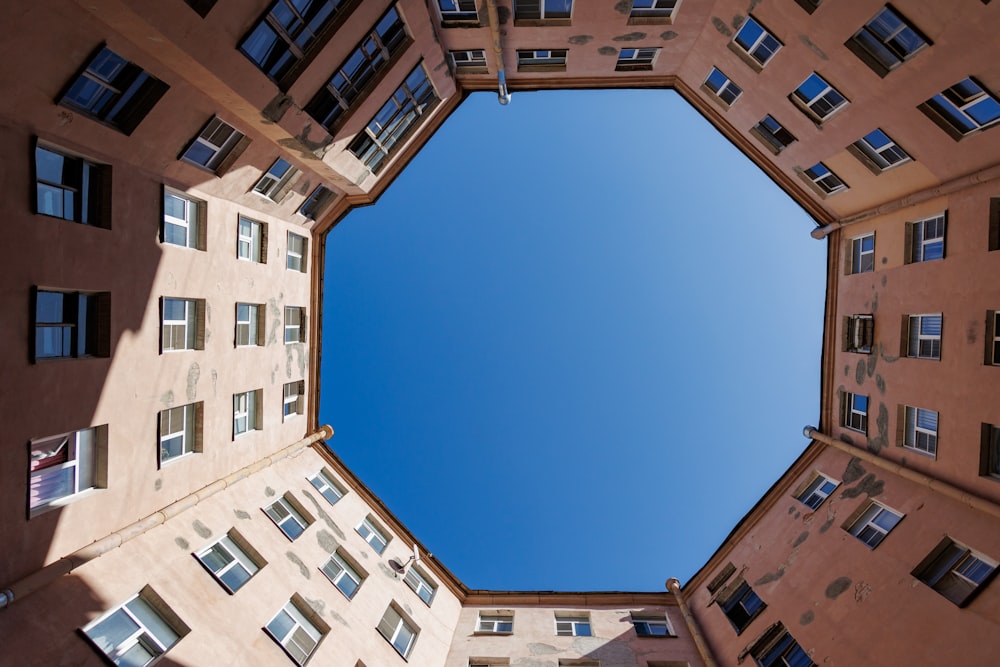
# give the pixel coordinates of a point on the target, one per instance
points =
(674, 587)
(503, 95)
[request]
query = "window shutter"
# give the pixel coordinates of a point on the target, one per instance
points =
(305, 254)
(721, 578)
(848, 256)
(868, 331)
(161, 325)
(990, 333)
(33, 324)
(904, 337)
(230, 159)
(300, 401)
(163, 210)
(846, 334)
(159, 435)
(103, 198)
(909, 251)
(995, 223)
(201, 226)
(280, 193)
(900, 424)
(199, 426)
(258, 413)
(199, 324)
(261, 315)
(387, 626)
(944, 235)
(302, 325)
(263, 242)
(103, 324)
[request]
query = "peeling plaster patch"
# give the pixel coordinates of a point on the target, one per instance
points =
(629, 37)
(536, 648)
(303, 570)
(327, 542)
(268, 491)
(201, 529)
(771, 576)
(623, 7)
(807, 618)
(182, 543)
(167, 399)
(800, 539)
(791, 510)
(65, 118)
(885, 260)
(738, 20)
(276, 108)
(324, 517)
(876, 444)
(854, 471)
(503, 14)
(215, 380)
(880, 383)
(158, 484)
(387, 571)
(837, 586)
(408, 609)
(668, 35)
(826, 525)
(869, 486)
(296, 349)
(818, 51)
(194, 374)
(861, 591)
(608, 51)
(753, 5)
(721, 26)
(971, 333)
(847, 370)
(580, 40)
(240, 514)
(846, 438)
(859, 372)
(276, 325)
(304, 147)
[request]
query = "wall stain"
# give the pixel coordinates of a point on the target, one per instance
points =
(608, 51)
(797, 515)
(324, 517)
(886, 357)
(791, 510)
(771, 576)
(668, 35)
(721, 26)
(327, 542)
(580, 40)
(803, 536)
(339, 619)
(753, 5)
(880, 383)
(208, 322)
(240, 514)
(182, 543)
(158, 484)
(972, 332)
(884, 278)
(846, 438)
(854, 471)
(276, 321)
(629, 37)
(876, 444)
(847, 370)
(201, 529)
(807, 618)
(296, 350)
(623, 7)
(277, 107)
(503, 14)
(536, 648)
(826, 525)
(269, 492)
(303, 570)
(870, 485)
(167, 399)
(837, 586)
(738, 20)
(874, 302)
(872, 362)
(812, 47)
(387, 571)
(859, 372)
(194, 374)
(408, 609)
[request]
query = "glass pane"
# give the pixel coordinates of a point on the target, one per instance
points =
(112, 631)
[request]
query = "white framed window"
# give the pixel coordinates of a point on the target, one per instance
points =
(62, 466)
(246, 412)
(886, 41)
(955, 571)
(180, 431)
(722, 86)
(542, 10)
(925, 239)
(372, 534)
(859, 333)
(277, 180)
(756, 42)
(138, 631)
(862, 257)
(923, 340)
(183, 220)
(289, 516)
(343, 574)
(458, 10)
(495, 623)
(774, 135)
(816, 490)
(647, 625)
(297, 633)
(920, 429)
(880, 151)
(230, 561)
(964, 109)
(827, 182)
(330, 489)
(293, 399)
(874, 523)
(182, 324)
(541, 60)
(854, 412)
(635, 60)
(420, 585)
(251, 240)
(652, 10)
(249, 324)
(295, 331)
(398, 630)
(317, 202)
(295, 255)
(818, 98)
(572, 626)
(471, 60)
(216, 146)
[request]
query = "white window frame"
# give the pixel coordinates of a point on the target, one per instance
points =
(724, 89)
(884, 157)
(291, 637)
(822, 104)
(888, 41)
(994, 341)
(219, 151)
(186, 431)
(189, 223)
(630, 59)
(859, 255)
(495, 623)
(291, 400)
(81, 449)
(919, 341)
(250, 324)
(283, 513)
(373, 535)
(396, 630)
(274, 180)
(757, 42)
(541, 57)
(461, 10)
(824, 179)
(874, 523)
(652, 625)
(573, 626)
(920, 438)
(142, 613)
(464, 59)
(853, 417)
(541, 13)
(227, 548)
(819, 488)
(958, 561)
(660, 9)
(295, 253)
(189, 325)
(337, 569)
(420, 585)
(293, 330)
(248, 239)
(326, 486)
(952, 106)
(921, 243)
(245, 413)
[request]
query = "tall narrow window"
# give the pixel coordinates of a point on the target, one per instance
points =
(180, 431)
(373, 534)
(874, 524)
(62, 466)
(817, 98)
(420, 584)
(397, 630)
(826, 182)
(289, 516)
(295, 331)
(816, 491)
(920, 430)
(635, 60)
(293, 400)
(741, 606)
(773, 134)
(879, 152)
(251, 240)
(183, 324)
(277, 181)
(923, 340)
(964, 109)
(854, 412)
(183, 220)
(550, 11)
(72, 188)
(925, 239)
(249, 324)
(327, 487)
(862, 254)
(312, 208)
(342, 574)
(295, 259)
(859, 333)
(722, 86)
(71, 324)
(955, 571)
(246, 412)
(458, 11)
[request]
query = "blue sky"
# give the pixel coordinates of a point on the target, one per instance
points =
(574, 342)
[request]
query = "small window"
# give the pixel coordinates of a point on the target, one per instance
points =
(992, 357)
(249, 324)
(458, 11)
(722, 86)
(343, 574)
(636, 60)
(817, 98)
(495, 623)
(777, 648)
(231, 561)
(113, 91)
(247, 414)
(923, 339)
(533, 12)
(854, 412)
(964, 109)
(572, 626)
(862, 257)
(182, 324)
(826, 182)
(295, 256)
(289, 516)
(421, 585)
(327, 486)
(472, 61)
(874, 524)
(754, 41)
(312, 208)
(541, 60)
(925, 239)
(773, 134)
(251, 240)
(297, 629)
(398, 630)
(647, 625)
(955, 571)
(278, 180)
(183, 220)
(293, 399)
(295, 321)
(138, 631)
(816, 490)
(859, 333)
(373, 534)
(63, 466)
(216, 147)
(989, 457)
(920, 429)
(879, 152)
(886, 42)
(180, 431)
(652, 11)
(71, 188)
(740, 604)
(71, 324)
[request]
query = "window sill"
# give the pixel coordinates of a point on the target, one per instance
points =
(62, 502)
(489, 633)
(650, 20)
(908, 448)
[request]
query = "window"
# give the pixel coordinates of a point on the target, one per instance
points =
(72, 188)
(652, 11)
(955, 571)
(113, 91)
(183, 220)
(551, 11)
(742, 605)
(293, 399)
(886, 41)
(827, 182)
(138, 631)
(854, 412)
(246, 412)
(249, 324)
(413, 99)
(773, 134)
(862, 257)
(878, 152)
(635, 60)
(251, 240)
(722, 86)
(180, 431)
(964, 109)
(818, 98)
(203, 7)
(216, 147)
(920, 429)
(372, 534)
(420, 584)
(989, 457)
(182, 324)
(573, 626)
(278, 180)
(289, 516)
(297, 631)
(343, 575)
(816, 490)
(859, 333)
(324, 482)
(495, 623)
(756, 42)
(295, 256)
(924, 336)
(295, 318)
(992, 338)
(550, 60)
(71, 324)
(458, 11)
(471, 61)
(62, 466)
(357, 74)
(286, 35)
(925, 239)
(777, 648)
(317, 202)
(397, 630)
(874, 524)
(651, 626)
(231, 561)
